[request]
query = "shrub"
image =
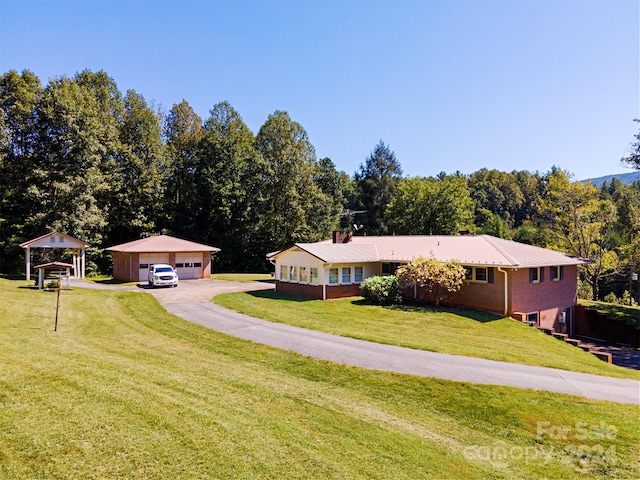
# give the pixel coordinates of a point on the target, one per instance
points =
(436, 277)
(382, 290)
(611, 298)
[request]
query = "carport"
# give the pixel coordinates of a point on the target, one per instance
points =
(60, 241)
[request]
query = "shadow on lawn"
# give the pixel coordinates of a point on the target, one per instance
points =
(477, 315)
(273, 295)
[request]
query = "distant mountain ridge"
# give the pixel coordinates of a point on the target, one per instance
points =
(626, 178)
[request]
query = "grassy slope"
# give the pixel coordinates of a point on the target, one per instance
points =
(243, 277)
(458, 332)
(125, 390)
(624, 313)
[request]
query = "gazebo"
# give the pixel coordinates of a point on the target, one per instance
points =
(58, 240)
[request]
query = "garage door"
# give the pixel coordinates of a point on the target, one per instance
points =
(189, 265)
(147, 259)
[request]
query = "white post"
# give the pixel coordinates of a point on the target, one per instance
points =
(83, 264)
(28, 262)
(40, 279)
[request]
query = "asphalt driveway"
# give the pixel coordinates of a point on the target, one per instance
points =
(191, 301)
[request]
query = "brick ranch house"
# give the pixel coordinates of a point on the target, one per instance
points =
(131, 260)
(505, 277)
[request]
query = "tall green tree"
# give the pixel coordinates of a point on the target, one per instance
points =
(295, 208)
(19, 95)
(229, 179)
(633, 159)
(78, 128)
(430, 206)
(583, 224)
(496, 192)
(376, 181)
(628, 227)
(137, 187)
(183, 132)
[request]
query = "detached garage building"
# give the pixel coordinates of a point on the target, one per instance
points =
(131, 260)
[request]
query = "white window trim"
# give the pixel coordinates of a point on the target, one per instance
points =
(337, 282)
(317, 281)
(473, 278)
(342, 282)
(361, 274)
(537, 280)
(308, 270)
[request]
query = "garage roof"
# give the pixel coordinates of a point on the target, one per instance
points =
(161, 244)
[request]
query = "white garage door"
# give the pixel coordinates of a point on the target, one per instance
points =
(147, 259)
(189, 265)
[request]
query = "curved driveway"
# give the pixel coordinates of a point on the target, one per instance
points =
(191, 301)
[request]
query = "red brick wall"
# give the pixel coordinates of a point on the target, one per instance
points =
(340, 291)
(481, 296)
(300, 290)
(548, 298)
(590, 324)
(120, 266)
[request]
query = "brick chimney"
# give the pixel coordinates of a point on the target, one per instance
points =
(342, 237)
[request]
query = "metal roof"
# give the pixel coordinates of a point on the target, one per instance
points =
(480, 250)
(43, 241)
(161, 244)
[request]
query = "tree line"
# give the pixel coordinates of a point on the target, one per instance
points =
(79, 156)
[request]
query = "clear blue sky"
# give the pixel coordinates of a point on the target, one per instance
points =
(448, 85)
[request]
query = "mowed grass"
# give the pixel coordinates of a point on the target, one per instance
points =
(243, 277)
(125, 390)
(457, 332)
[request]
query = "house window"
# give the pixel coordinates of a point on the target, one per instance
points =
(314, 275)
(293, 274)
(554, 273)
(386, 269)
(144, 265)
(283, 272)
(346, 275)
(357, 274)
(534, 275)
(468, 273)
(197, 264)
(481, 274)
(304, 275)
(179, 265)
(532, 317)
(188, 265)
(333, 276)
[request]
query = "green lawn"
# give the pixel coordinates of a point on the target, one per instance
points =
(625, 313)
(125, 390)
(458, 332)
(243, 277)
